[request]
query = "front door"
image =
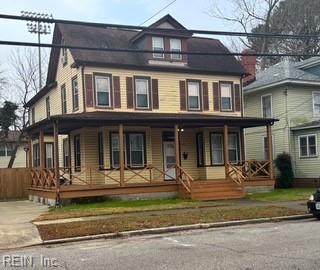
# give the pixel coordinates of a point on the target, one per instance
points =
(169, 160)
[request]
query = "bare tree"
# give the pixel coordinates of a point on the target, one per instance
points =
(24, 84)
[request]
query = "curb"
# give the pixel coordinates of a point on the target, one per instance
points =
(175, 229)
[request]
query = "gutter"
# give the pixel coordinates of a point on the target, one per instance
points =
(306, 127)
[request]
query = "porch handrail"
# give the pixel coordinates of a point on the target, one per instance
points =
(184, 178)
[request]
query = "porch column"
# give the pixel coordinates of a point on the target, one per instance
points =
(121, 155)
(177, 148)
(56, 152)
(270, 151)
(42, 149)
(226, 149)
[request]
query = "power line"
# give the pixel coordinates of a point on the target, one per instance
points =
(118, 50)
(135, 27)
(158, 12)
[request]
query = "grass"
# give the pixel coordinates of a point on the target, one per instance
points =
(119, 207)
(281, 195)
(156, 220)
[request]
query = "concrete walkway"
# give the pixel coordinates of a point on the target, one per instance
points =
(16, 229)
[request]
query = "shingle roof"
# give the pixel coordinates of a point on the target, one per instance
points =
(282, 72)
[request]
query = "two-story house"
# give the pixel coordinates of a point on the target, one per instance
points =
(119, 123)
(290, 92)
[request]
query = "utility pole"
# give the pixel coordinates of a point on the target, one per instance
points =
(39, 28)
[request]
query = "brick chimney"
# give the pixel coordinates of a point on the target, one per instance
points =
(249, 62)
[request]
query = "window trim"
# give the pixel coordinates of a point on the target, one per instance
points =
(65, 141)
(64, 105)
(74, 108)
(45, 154)
(111, 94)
(271, 105)
(149, 108)
(198, 148)
(313, 103)
(76, 168)
(154, 48)
(36, 146)
(308, 154)
(200, 95)
(179, 58)
(48, 106)
(232, 96)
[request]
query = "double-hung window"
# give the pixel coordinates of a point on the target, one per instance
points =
(136, 149)
(316, 103)
(75, 94)
(103, 91)
(217, 156)
(308, 145)
(175, 47)
(142, 98)
(66, 155)
(77, 153)
(48, 106)
(233, 148)
(115, 150)
(49, 155)
(158, 45)
(226, 96)
(6, 149)
(63, 99)
(194, 97)
(36, 155)
(266, 105)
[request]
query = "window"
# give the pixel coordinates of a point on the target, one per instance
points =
(175, 46)
(200, 147)
(217, 156)
(226, 96)
(103, 90)
(194, 96)
(316, 103)
(66, 156)
(266, 148)
(142, 93)
(135, 154)
(158, 45)
(6, 149)
(75, 94)
(49, 155)
(63, 99)
(36, 155)
(77, 153)
(64, 53)
(308, 145)
(101, 152)
(266, 105)
(48, 106)
(33, 120)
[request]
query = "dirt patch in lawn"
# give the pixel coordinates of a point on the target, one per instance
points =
(149, 220)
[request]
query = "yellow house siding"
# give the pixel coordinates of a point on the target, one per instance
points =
(19, 162)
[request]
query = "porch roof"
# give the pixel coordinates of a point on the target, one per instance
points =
(69, 122)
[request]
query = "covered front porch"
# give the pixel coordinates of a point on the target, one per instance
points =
(123, 154)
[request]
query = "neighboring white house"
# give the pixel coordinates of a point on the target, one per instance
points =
(290, 92)
(6, 149)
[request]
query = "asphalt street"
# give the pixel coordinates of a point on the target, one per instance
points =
(284, 245)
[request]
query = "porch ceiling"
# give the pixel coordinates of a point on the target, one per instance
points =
(69, 122)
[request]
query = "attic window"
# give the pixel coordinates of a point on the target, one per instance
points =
(64, 53)
(158, 45)
(175, 46)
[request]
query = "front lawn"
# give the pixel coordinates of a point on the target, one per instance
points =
(282, 195)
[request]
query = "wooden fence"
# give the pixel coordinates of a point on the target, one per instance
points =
(14, 183)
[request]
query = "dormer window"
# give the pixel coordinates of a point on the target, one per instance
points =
(175, 46)
(158, 45)
(64, 53)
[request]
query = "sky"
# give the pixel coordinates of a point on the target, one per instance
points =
(192, 14)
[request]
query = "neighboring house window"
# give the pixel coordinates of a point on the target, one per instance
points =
(266, 105)
(316, 103)
(266, 148)
(142, 93)
(49, 155)
(200, 149)
(48, 106)
(64, 53)
(217, 157)
(33, 115)
(135, 155)
(75, 94)
(103, 90)
(36, 155)
(194, 96)
(226, 96)
(158, 45)
(63, 99)
(77, 153)
(6, 150)
(100, 150)
(308, 145)
(175, 46)
(66, 155)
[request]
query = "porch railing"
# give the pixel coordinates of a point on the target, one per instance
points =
(184, 178)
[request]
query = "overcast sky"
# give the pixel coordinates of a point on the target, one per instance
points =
(191, 13)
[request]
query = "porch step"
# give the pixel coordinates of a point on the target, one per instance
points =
(212, 190)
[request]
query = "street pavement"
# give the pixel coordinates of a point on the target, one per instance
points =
(283, 245)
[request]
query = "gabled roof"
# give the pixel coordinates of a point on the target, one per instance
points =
(285, 72)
